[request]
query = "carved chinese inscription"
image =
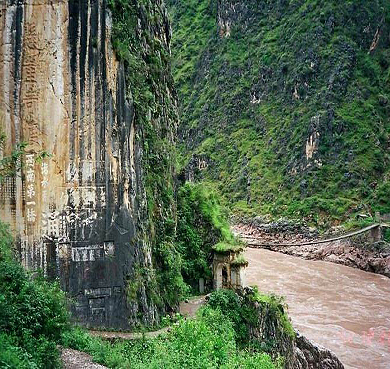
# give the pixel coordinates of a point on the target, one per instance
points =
(89, 253)
(87, 171)
(30, 188)
(30, 92)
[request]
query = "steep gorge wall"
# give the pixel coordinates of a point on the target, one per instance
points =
(285, 104)
(81, 214)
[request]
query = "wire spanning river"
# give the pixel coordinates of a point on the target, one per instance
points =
(343, 309)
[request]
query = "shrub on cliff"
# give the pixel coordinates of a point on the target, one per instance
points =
(33, 314)
(260, 321)
(201, 223)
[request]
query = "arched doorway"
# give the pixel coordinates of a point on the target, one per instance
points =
(224, 277)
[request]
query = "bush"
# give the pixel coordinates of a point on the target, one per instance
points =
(255, 311)
(205, 342)
(12, 356)
(227, 301)
(33, 312)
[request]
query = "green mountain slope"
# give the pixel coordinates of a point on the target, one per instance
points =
(285, 104)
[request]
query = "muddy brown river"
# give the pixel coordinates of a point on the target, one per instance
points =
(344, 309)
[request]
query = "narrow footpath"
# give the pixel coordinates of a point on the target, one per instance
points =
(73, 359)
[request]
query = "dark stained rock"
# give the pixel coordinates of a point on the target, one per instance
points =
(308, 355)
(82, 215)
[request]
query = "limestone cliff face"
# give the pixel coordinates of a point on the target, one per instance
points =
(80, 214)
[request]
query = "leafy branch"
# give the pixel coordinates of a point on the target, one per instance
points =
(11, 164)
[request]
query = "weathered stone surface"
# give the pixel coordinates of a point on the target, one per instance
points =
(79, 214)
(308, 355)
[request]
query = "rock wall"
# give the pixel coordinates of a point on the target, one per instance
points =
(80, 212)
(270, 329)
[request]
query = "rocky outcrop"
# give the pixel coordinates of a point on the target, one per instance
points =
(308, 355)
(272, 330)
(79, 207)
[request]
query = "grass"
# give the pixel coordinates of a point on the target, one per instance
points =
(240, 261)
(224, 247)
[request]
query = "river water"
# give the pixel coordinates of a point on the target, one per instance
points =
(344, 309)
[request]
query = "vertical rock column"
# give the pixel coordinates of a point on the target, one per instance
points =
(74, 211)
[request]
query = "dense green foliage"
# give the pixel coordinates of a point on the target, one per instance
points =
(33, 320)
(186, 253)
(205, 342)
(140, 38)
(32, 314)
(287, 103)
(201, 224)
(255, 311)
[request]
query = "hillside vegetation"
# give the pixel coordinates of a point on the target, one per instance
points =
(33, 314)
(285, 104)
(34, 320)
(211, 340)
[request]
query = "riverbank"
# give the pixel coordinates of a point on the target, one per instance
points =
(357, 252)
